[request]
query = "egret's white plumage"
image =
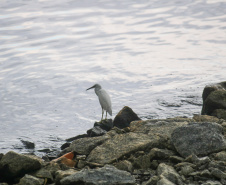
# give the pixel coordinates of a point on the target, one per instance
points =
(104, 99)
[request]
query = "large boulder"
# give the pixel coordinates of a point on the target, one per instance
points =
(199, 139)
(214, 97)
(160, 129)
(108, 175)
(144, 136)
(125, 117)
(14, 165)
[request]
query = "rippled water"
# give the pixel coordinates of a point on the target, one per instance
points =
(154, 56)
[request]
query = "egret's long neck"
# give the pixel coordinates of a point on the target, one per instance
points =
(97, 90)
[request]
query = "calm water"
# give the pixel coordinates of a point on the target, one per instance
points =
(154, 56)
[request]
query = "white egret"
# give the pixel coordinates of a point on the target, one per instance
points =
(104, 99)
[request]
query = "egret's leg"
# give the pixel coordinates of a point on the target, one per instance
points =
(106, 115)
(102, 115)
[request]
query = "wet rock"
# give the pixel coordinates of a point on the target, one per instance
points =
(125, 117)
(100, 128)
(214, 98)
(198, 139)
(65, 145)
(96, 131)
(124, 165)
(121, 145)
(28, 144)
(221, 156)
(108, 175)
(105, 124)
(77, 137)
(166, 172)
(86, 145)
(16, 165)
(30, 180)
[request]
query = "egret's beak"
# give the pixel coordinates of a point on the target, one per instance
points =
(90, 88)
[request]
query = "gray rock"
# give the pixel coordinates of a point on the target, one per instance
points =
(96, 131)
(105, 124)
(60, 174)
(205, 118)
(214, 100)
(221, 165)
(186, 170)
(210, 182)
(81, 164)
(157, 153)
(199, 139)
(30, 180)
(100, 128)
(85, 145)
(219, 113)
(28, 144)
(221, 156)
(125, 117)
(169, 173)
(120, 145)
(124, 165)
(152, 181)
(164, 181)
(205, 173)
(43, 173)
(141, 162)
(14, 165)
(218, 173)
(176, 159)
(159, 129)
(108, 175)
(212, 87)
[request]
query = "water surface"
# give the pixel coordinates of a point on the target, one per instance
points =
(154, 56)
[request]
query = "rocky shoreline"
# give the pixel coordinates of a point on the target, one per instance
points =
(129, 151)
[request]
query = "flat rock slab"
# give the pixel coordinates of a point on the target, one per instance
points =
(107, 175)
(199, 139)
(120, 145)
(85, 145)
